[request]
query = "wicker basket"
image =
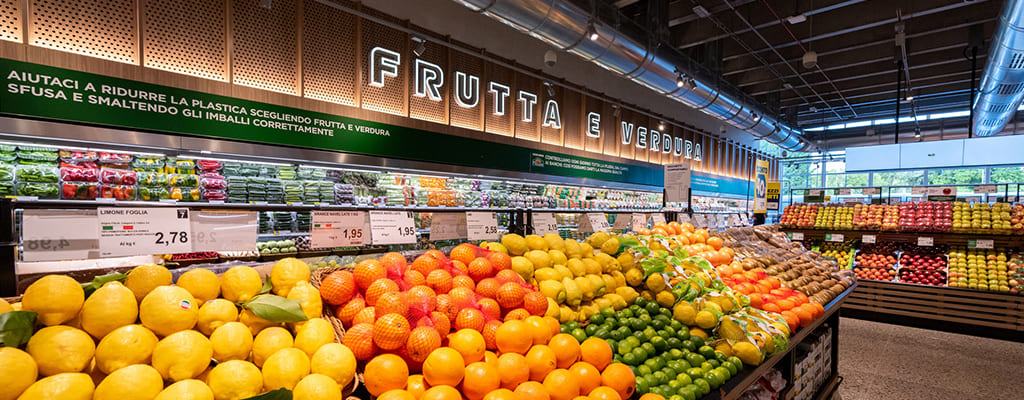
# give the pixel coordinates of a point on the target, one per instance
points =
(328, 314)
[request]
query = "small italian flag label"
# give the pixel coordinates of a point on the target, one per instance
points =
(185, 305)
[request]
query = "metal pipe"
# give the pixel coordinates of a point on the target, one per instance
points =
(1002, 86)
(899, 93)
(974, 84)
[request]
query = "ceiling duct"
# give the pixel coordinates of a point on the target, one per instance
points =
(1002, 86)
(569, 28)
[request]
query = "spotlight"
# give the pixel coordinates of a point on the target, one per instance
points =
(592, 31)
(917, 133)
(550, 88)
(617, 110)
(661, 125)
(421, 46)
(680, 81)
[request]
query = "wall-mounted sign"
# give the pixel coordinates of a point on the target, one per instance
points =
(761, 187)
(677, 183)
(774, 189)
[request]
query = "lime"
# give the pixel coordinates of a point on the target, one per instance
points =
(658, 324)
(608, 312)
(684, 378)
(659, 343)
(650, 333)
(652, 308)
(714, 363)
(712, 379)
(659, 377)
(689, 345)
(635, 308)
(669, 331)
(648, 348)
(675, 385)
(603, 332)
(645, 318)
(735, 361)
(572, 325)
(611, 323)
(624, 348)
(666, 311)
(633, 341)
(688, 392)
(639, 335)
(590, 330)
(703, 386)
(720, 356)
(640, 302)
(617, 358)
(675, 324)
(675, 354)
(641, 386)
(636, 324)
(596, 319)
(694, 359)
(645, 369)
(669, 372)
(697, 341)
(619, 334)
(683, 333)
(723, 373)
(629, 359)
(676, 397)
(732, 368)
(695, 373)
(706, 351)
(674, 343)
(639, 353)
(625, 313)
(613, 344)
(579, 334)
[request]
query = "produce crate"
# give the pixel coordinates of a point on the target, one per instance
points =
(339, 329)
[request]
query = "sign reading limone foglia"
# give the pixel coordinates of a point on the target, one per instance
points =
(55, 93)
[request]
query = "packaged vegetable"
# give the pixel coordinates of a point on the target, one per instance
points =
(37, 173)
(8, 156)
(40, 190)
(186, 193)
(37, 154)
(77, 156)
(147, 163)
(214, 184)
(176, 166)
(79, 190)
(7, 189)
(115, 158)
(157, 193)
(7, 172)
(117, 192)
(183, 180)
(118, 176)
(73, 173)
(209, 165)
(151, 178)
(215, 195)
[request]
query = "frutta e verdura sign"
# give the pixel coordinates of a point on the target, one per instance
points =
(62, 94)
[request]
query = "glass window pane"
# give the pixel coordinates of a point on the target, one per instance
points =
(815, 168)
(899, 178)
(813, 181)
(797, 181)
(955, 176)
(835, 180)
(833, 167)
(1007, 175)
(856, 180)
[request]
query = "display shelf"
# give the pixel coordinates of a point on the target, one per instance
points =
(952, 239)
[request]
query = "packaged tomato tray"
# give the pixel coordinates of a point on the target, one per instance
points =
(118, 176)
(117, 192)
(79, 190)
(79, 173)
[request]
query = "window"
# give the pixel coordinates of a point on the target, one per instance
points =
(956, 176)
(835, 167)
(899, 178)
(856, 180)
(815, 168)
(835, 180)
(1007, 175)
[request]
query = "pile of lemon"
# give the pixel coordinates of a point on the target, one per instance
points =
(150, 339)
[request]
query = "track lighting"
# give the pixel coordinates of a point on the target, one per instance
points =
(592, 31)
(917, 133)
(421, 46)
(661, 125)
(616, 110)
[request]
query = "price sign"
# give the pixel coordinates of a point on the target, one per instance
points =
(446, 226)
(594, 222)
(544, 223)
(637, 221)
(338, 229)
(814, 192)
(657, 217)
(834, 237)
(684, 218)
(796, 235)
(925, 241)
(224, 230)
(919, 190)
(53, 235)
(985, 189)
(142, 231)
(871, 191)
(677, 183)
(481, 225)
(622, 221)
(980, 243)
(392, 227)
(868, 239)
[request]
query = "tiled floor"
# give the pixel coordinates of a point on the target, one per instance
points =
(882, 361)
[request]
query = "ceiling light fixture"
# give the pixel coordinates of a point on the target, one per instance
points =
(680, 80)
(550, 89)
(917, 133)
(701, 12)
(796, 19)
(421, 46)
(592, 31)
(814, 109)
(661, 125)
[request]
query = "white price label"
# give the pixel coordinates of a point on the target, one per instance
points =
(657, 217)
(622, 221)
(834, 237)
(925, 241)
(544, 223)
(919, 190)
(337, 229)
(867, 239)
(844, 192)
(143, 231)
(980, 243)
(871, 191)
(224, 230)
(796, 235)
(814, 192)
(637, 222)
(481, 225)
(446, 226)
(392, 227)
(53, 235)
(985, 189)
(594, 222)
(684, 218)
(677, 183)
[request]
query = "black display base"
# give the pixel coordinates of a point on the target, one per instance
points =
(926, 323)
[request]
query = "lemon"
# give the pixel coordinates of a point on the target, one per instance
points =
(539, 258)
(576, 267)
(168, 309)
(202, 283)
(557, 257)
(317, 387)
(336, 361)
(235, 380)
(5, 306)
(492, 246)
(232, 341)
(572, 248)
(66, 386)
(555, 242)
(634, 277)
(665, 299)
(597, 239)
(685, 313)
(313, 334)
(535, 242)
(284, 369)
(254, 322)
(309, 297)
(610, 246)
(189, 389)
(240, 284)
(522, 266)
(214, 313)
(286, 274)
(268, 342)
(18, 371)
(182, 355)
(747, 352)
(586, 250)
(656, 283)
(626, 260)
(134, 382)
(55, 298)
(109, 307)
(591, 266)
(144, 278)
(124, 346)
(61, 348)
(705, 319)
(515, 244)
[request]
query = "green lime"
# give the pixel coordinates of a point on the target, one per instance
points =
(639, 353)
(637, 324)
(608, 312)
(635, 309)
(713, 379)
(732, 368)
(676, 397)
(669, 331)
(617, 358)
(659, 343)
(660, 377)
(619, 334)
(639, 335)
(641, 386)
(645, 318)
(683, 333)
(706, 366)
(689, 345)
(625, 313)
(596, 319)
(572, 325)
(624, 348)
(644, 369)
(695, 373)
(694, 359)
(714, 363)
(650, 333)
(697, 341)
(722, 372)
(648, 348)
(674, 343)
(565, 329)
(603, 332)
(667, 312)
(651, 364)
(633, 341)
(706, 351)
(735, 361)
(669, 372)
(675, 354)
(630, 359)
(611, 322)
(720, 356)
(652, 308)
(640, 302)
(579, 334)
(658, 324)
(688, 392)
(613, 344)
(675, 324)
(675, 385)
(590, 330)
(703, 386)
(684, 378)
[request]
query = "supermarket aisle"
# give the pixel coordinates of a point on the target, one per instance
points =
(883, 361)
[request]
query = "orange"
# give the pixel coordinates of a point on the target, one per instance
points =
(502, 394)
(554, 325)
(470, 318)
(651, 396)
(397, 394)
(425, 263)
(444, 366)
(464, 253)
(459, 268)
(422, 341)
(791, 319)
(491, 359)
(755, 301)
(437, 254)
(392, 303)
(507, 275)
(597, 352)
(395, 263)
(518, 313)
(644, 232)
(536, 303)
(539, 330)
(469, 343)
(413, 278)
(566, 348)
(438, 321)
(446, 306)
(513, 370)
(605, 393)
(488, 287)
(421, 297)
(688, 227)
(589, 376)
(463, 281)
(359, 339)
(771, 307)
(367, 272)
(440, 280)
(391, 331)
(819, 309)
(442, 392)
(806, 317)
(346, 312)
(480, 268)
(785, 304)
(562, 385)
(715, 242)
(338, 287)
(490, 308)
(378, 288)
(416, 385)
(462, 297)
(541, 360)
(480, 379)
(514, 337)
(500, 261)
(490, 333)
(385, 372)
(510, 295)
(618, 376)
(531, 390)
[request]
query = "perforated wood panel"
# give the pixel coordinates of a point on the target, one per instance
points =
(265, 52)
(549, 133)
(187, 37)
(329, 54)
(389, 98)
(642, 122)
(572, 119)
(590, 143)
(461, 115)
(611, 137)
(528, 130)
(499, 124)
(105, 29)
(11, 20)
(426, 106)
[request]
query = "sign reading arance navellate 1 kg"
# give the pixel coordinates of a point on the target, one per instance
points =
(62, 94)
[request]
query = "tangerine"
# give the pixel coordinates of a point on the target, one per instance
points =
(652, 396)
(459, 267)
(385, 372)
(597, 352)
(469, 343)
(463, 281)
(514, 337)
(346, 312)
(367, 272)
(366, 315)
(378, 289)
(566, 348)
(589, 376)
(437, 254)
(541, 360)
(507, 275)
(715, 242)
(422, 297)
(806, 316)
(620, 377)
(442, 392)
(488, 288)
(480, 380)
(535, 303)
(392, 303)
(464, 253)
(413, 278)
(510, 295)
(519, 313)
(499, 260)
(425, 264)
(397, 394)
(391, 331)
(359, 339)
(438, 321)
(480, 268)
(532, 390)
(440, 280)
(513, 370)
(490, 308)
(553, 325)
(490, 332)
(444, 366)
(422, 341)
(462, 297)
(470, 318)
(338, 287)
(562, 385)
(446, 306)
(394, 262)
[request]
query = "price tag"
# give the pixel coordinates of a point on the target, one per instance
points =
(637, 222)
(796, 235)
(392, 227)
(53, 235)
(980, 243)
(919, 190)
(833, 237)
(337, 229)
(594, 222)
(446, 226)
(142, 231)
(622, 221)
(224, 230)
(544, 223)
(684, 218)
(925, 241)
(481, 225)
(985, 189)
(868, 239)
(657, 217)
(844, 192)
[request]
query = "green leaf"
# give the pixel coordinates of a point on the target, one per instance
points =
(682, 253)
(653, 266)
(99, 281)
(276, 309)
(16, 327)
(267, 286)
(279, 394)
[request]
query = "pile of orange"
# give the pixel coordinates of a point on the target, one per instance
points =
(532, 361)
(766, 293)
(697, 242)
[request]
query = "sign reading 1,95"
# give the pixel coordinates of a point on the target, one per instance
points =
(138, 231)
(338, 229)
(392, 227)
(481, 225)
